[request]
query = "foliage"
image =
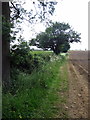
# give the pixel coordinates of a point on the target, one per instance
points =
(35, 94)
(39, 11)
(45, 55)
(25, 60)
(65, 47)
(57, 37)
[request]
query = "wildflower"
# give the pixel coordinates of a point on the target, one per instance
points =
(20, 116)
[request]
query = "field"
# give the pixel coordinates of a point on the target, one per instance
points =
(81, 59)
(78, 84)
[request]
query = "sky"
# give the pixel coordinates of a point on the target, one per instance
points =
(74, 12)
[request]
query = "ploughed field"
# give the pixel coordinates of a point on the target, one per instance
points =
(79, 84)
(81, 59)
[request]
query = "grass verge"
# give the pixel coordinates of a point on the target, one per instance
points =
(36, 95)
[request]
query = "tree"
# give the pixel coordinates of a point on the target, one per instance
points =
(57, 37)
(5, 44)
(39, 12)
(18, 14)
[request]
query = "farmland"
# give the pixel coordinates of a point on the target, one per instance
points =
(78, 84)
(81, 58)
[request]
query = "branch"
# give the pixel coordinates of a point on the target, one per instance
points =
(18, 12)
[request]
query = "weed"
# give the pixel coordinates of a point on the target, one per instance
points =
(35, 94)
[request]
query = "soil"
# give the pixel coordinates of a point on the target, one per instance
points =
(78, 92)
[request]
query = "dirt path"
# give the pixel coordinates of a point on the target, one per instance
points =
(78, 93)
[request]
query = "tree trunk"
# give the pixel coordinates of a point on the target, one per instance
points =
(5, 48)
(0, 44)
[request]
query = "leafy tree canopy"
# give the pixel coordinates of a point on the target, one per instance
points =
(39, 12)
(57, 37)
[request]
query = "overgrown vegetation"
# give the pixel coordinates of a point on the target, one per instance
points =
(31, 89)
(33, 95)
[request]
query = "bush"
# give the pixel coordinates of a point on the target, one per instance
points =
(22, 60)
(33, 94)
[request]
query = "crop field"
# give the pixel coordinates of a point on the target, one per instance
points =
(81, 59)
(41, 52)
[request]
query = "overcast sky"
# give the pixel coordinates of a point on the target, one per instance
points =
(74, 12)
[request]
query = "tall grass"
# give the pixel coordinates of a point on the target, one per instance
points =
(35, 94)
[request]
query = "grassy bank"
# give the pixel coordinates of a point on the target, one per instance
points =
(36, 94)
